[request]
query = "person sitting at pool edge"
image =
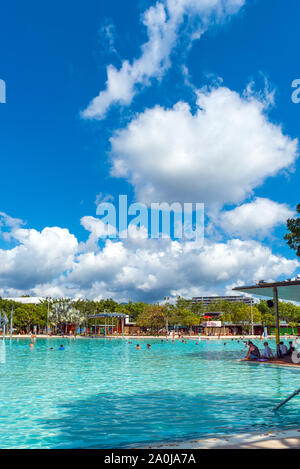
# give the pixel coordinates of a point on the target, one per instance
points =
(291, 348)
(267, 353)
(253, 352)
(283, 350)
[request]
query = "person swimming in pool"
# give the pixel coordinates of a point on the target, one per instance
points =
(138, 347)
(148, 346)
(61, 347)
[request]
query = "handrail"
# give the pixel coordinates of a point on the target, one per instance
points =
(295, 393)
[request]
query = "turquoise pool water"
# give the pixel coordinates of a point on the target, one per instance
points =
(104, 393)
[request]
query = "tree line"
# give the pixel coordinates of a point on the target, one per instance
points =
(184, 313)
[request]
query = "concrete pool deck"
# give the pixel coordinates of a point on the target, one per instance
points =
(289, 439)
(187, 337)
(274, 362)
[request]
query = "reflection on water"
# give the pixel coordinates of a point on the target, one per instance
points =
(2, 351)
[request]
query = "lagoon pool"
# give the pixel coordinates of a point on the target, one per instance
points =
(101, 393)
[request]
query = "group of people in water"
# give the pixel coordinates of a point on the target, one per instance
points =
(33, 340)
(138, 347)
(253, 351)
(283, 351)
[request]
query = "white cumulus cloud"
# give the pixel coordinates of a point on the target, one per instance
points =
(38, 257)
(53, 263)
(257, 218)
(158, 268)
(218, 154)
(163, 22)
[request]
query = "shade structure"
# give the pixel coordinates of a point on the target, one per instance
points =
(107, 316)
(288, 290)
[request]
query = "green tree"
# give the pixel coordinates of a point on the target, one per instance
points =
(153, 317)
(132, 309)
(293, 237)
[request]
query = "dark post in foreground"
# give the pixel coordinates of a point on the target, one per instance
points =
(277, 326)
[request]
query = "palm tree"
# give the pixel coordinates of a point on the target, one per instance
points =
(63, 313)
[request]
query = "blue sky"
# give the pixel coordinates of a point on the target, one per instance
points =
(56, 160)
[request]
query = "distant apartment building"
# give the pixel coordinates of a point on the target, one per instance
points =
(208, 300)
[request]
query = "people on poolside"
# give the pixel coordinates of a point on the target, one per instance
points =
(283, 350)
(253, 352)
(291, 348)
(267, 352)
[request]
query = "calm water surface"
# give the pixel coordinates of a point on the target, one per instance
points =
(104, 393)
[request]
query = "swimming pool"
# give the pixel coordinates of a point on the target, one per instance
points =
(101, 393)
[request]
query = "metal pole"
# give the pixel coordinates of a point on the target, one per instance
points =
(105, 328)
(277, 326)
(252, 327)
(122, 327)
(287, 399)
